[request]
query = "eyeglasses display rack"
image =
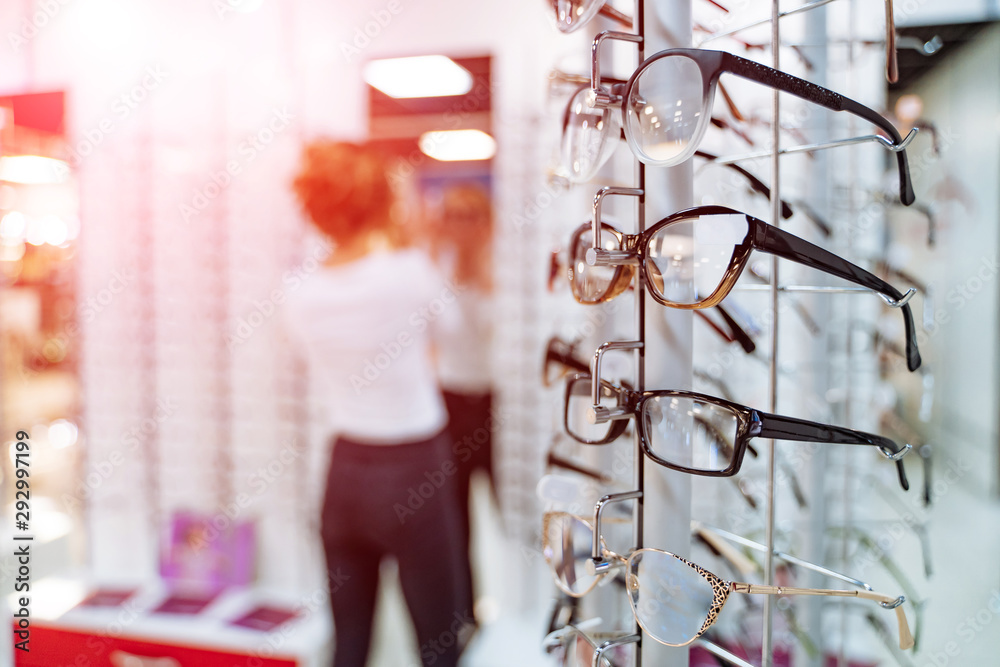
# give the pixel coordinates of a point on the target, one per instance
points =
(664, 344)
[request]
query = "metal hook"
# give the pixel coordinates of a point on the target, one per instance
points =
(596, 555)
(895, 456)
(595, 54)
(808, 148)
(600, 413)
(899, 303)
(895, 603)
(901, 146)
(598, 657)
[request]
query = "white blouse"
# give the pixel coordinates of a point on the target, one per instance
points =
(365, 328)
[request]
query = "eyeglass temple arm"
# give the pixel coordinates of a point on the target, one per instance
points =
(770, 239)
(810, 92)
(779, 427)
(615, 15)
(891, 63)
(557, 461)
(755, 183)
(821, 224)
(717, 535)
(736, 333)
(570, 361)
(721, 653)
(739, 333)
(885, 601)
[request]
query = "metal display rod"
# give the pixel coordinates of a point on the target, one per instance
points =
(666, 359)
(767, 653)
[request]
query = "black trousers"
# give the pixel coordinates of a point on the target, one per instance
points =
(399, 501)
(471, 425)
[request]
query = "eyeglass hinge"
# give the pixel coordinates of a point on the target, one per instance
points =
(737, 587)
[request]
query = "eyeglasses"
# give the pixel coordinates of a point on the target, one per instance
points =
(693, 258)
(696, 433)
(574, 14)
(666, 106)
(674, 600)
(583, 153)
(574, 646)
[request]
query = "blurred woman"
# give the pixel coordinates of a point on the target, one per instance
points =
(462, 245)
(363, 321)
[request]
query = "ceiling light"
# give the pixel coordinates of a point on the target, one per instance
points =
(420, 76)
(33, 169)
(457, 145)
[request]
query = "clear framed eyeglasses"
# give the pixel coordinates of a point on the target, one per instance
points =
(665, 107)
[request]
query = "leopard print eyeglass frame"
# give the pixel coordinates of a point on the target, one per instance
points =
(674, 600)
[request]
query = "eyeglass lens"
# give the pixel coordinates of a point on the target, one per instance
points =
(589, 138)
(691, 433)
(578, 407)
(567, 549)
(571, 14)
(671, 600)
(687, 260)
(665, 110)
(591, 283)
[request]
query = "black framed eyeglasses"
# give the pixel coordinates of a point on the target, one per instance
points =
(693, 258)
(666, 106)
(697, 433)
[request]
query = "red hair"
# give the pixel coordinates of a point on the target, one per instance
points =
(344, 189)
